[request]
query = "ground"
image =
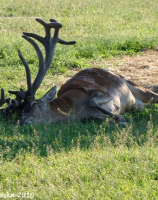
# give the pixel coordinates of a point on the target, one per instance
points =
(141, 69)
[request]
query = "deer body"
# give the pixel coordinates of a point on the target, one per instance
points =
(91, 93)
(107, 89)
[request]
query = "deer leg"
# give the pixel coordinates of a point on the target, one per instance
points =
(98, 99)
(142, 94)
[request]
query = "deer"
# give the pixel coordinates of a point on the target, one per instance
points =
(93, 93)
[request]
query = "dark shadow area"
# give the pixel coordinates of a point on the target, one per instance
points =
(43, 138)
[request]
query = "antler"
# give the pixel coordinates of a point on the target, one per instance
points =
(49, 44)
(2, 99)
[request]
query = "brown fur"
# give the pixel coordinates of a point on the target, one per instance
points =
(93, 93)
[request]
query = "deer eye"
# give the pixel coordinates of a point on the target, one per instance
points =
(33, 104)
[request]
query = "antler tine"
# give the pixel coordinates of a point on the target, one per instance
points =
(65, 42)
(2, 99)
(53, 20)
(41, 71)
(47, 26)
(21, 95)
(53, 24)
(38, 51)
(27, 69)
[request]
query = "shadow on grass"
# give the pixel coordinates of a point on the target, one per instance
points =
(41, 139)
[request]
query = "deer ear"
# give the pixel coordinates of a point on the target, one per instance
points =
(49, 95)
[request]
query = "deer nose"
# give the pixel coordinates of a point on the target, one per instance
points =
(23, 120)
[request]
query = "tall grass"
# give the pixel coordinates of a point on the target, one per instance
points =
(90, 160)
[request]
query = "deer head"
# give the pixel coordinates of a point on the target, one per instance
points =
(24, 98)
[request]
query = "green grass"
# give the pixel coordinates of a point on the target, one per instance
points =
(82, 161)
(106, 173)
(101, 29)
(91, 160)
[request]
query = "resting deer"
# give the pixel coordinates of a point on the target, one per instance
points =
(91, 93)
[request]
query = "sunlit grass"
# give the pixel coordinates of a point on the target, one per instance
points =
(99, 173)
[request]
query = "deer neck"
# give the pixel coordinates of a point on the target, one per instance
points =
(60, 109)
